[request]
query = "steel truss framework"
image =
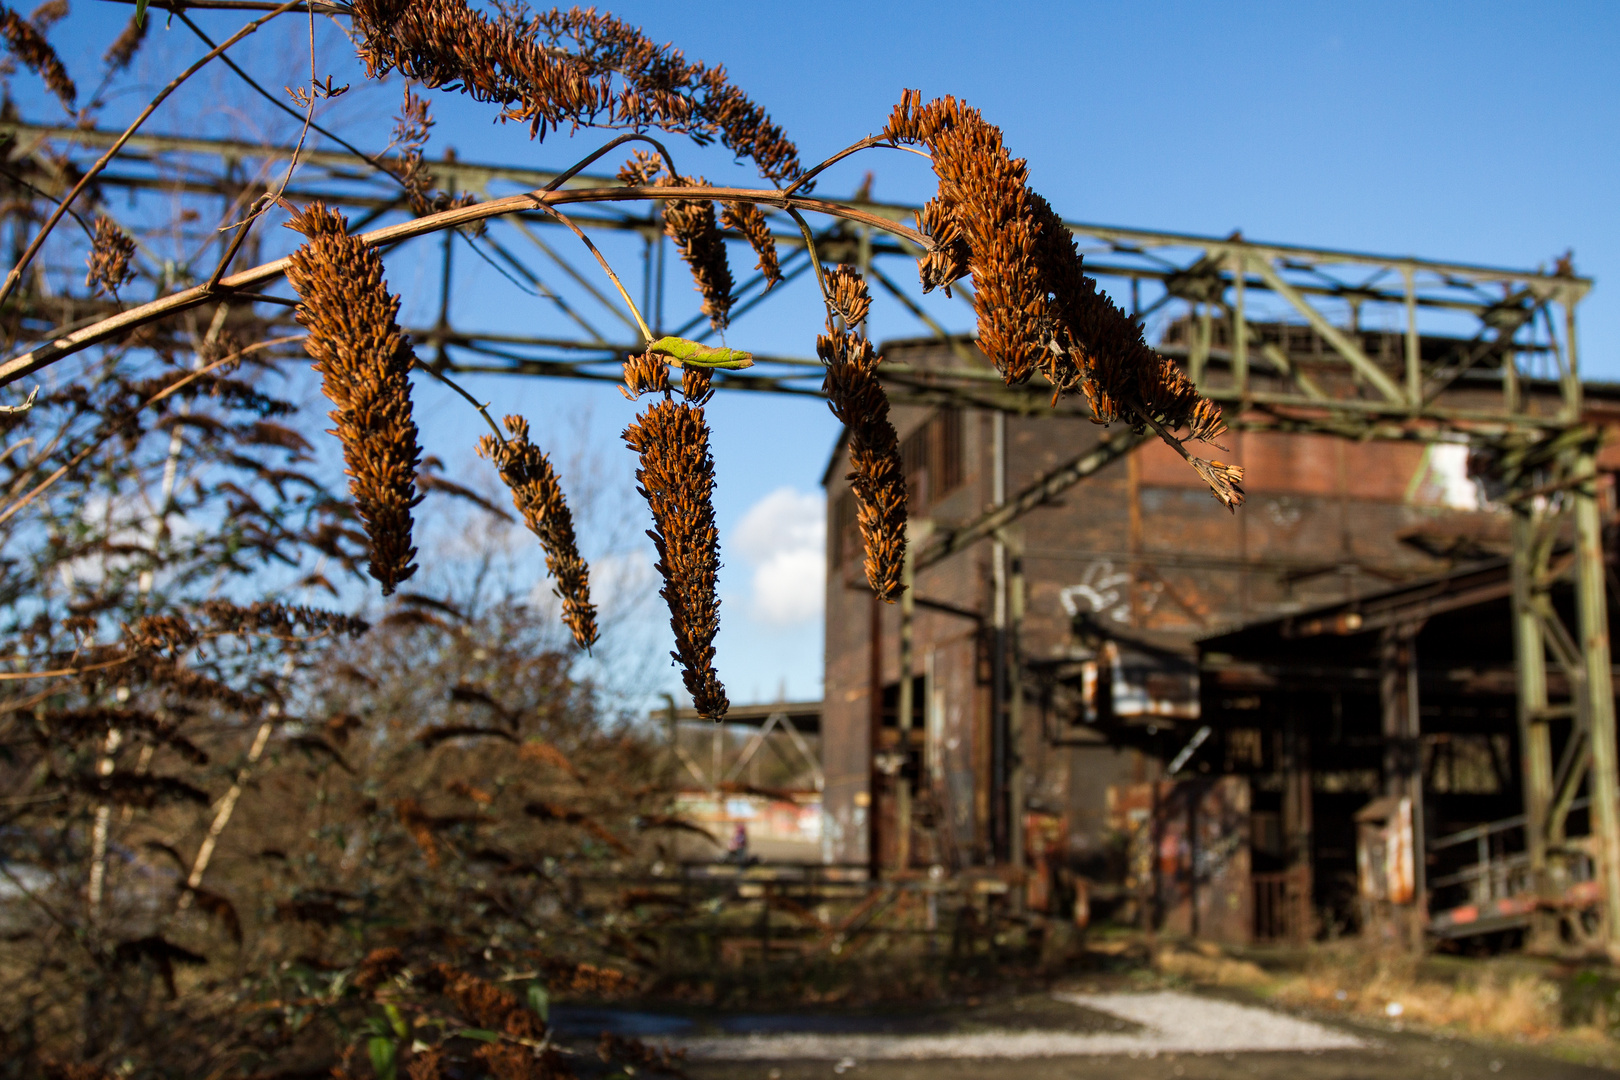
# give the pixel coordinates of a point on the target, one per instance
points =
(1386, 348)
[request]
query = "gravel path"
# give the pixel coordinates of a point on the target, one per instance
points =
(1170, 1022)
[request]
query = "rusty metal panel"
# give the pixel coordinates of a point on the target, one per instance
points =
(1223, 888)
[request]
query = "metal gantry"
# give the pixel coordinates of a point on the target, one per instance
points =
(1287, 338)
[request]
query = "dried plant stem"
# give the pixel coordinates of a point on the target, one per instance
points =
(78, 459)
(868, 143)
(113, 326)
(606, 267)
(482, 407)
(815, 259)
(95, 170)
(585, 163)
(222, 816)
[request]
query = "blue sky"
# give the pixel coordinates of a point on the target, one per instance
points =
(1483, 132)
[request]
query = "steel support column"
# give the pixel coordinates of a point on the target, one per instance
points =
(1535, 735)
(1591, 602)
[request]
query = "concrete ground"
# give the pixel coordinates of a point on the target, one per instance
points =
(1122, 1035)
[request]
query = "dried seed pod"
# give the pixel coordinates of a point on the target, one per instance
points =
(125, 45)
(691, 224)
(984, 193)
(1224, 480)
(847, 293)
(642, 169)
(539, 498)
(25, 41)
(877, 476)
(676, 478)
(949, 260)
(567, 68)
(1037, 307)
(697, 385)
(645, 373)
(365, 362)
(749, 220)
(111, 250)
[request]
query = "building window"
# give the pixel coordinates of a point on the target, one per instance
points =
(932, 457)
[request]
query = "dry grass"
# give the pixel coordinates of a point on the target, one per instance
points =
(1388, 985)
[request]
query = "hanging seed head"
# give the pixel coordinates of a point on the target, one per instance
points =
(676, 478)
(567, 68)
(691, 224)
(642, 169)
(1037, 308)
(697, 385)
(877, 477)
(111, 250)
(539, 499)
(749, 220)
(950, 257)
(1224, 480)
(846, 291)
(125, 45)
(645, 373)
(365, 362)
(27, 43)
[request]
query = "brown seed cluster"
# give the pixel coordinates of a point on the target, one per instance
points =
(111, 250)
(645, 374)
(26, 41)
(676, 478)
(985, 192)
(125, 45)
(571, 68)
(365, 362)
(749, 220)
(877, 479)
(411, 129)
(691, 224)
(847, 293)
(539, 498)
(1037, 308)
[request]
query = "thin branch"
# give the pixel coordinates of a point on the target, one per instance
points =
(95, 170)
(606, 266)
(585, 163)
(12, 676)
(815, 259)
(483, 409)
(42, 357)
(867, 143)
(78, 458)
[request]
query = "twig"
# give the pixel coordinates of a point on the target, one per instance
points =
(483, 409)
(606, 266)
(174, 303)
(584, 163)
(15, 676)
(815, 259)
(95, 170)
(78, 459)
(869, 142)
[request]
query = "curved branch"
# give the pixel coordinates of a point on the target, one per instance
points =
(870, 142)
(247, 280)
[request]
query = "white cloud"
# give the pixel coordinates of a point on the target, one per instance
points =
(783, 537)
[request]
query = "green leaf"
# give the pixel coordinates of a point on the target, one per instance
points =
(140, 12)
(397, 1021)
(693, 354)
(481, 1034)
(540, 1001)
(383, 1053)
